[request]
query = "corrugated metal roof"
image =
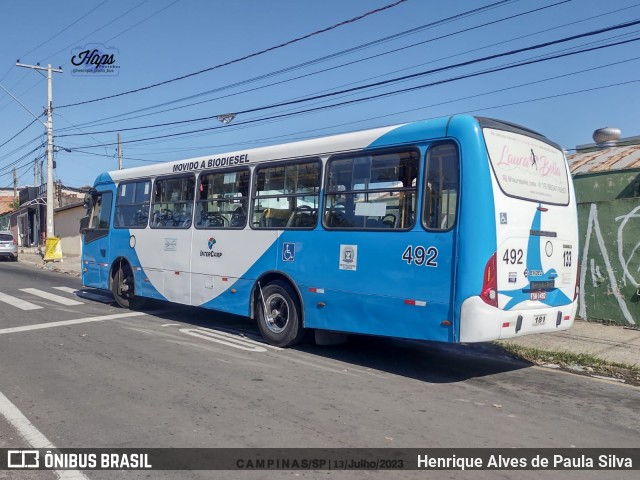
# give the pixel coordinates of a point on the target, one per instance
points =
(608, 159)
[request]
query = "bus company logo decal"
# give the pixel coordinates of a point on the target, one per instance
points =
(211, 254)
(348, 257)
(95, 59)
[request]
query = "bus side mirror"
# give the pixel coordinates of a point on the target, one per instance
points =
(88, 200)
(84, 224)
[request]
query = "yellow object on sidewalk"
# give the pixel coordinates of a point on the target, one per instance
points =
(53, 249)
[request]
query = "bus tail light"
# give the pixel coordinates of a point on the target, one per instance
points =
(489, 292)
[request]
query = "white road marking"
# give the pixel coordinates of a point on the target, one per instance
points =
(246, 336)
(32, 435)
(63, 323)
(51, 296)
(17, 302)
(224, 339)
(107, 298)
(67, 289)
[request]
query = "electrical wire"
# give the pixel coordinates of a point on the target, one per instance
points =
(322, 59)
(395, 92)
(251, 55)
(402, 78)
(17, 134)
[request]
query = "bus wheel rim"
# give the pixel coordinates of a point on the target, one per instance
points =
(277, 313)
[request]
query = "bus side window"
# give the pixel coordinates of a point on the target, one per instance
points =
(372, 191)
(173, 202)
(132, 204)
(101, 211)
(287, 196)
(441, 187)
(222, 199)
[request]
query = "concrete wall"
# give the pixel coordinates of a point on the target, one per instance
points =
(67, 227)
(610, 261)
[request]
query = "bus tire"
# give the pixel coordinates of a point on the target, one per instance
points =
(278, 314)
(123, 288)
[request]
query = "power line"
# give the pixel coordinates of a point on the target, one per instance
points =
(112, 156)
(65, 28)
(28, 154)
(32, 122)
(47, 41)
(97, 30)
(16, 150)
(531, 100)
(399, 79)
(141, 21)
(403, 112)
(251, 55)
(372, 97)
(325, 58)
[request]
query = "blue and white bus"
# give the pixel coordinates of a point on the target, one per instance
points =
(460, 229)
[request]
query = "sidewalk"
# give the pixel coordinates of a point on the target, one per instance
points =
(608, 342)
(612, 343)
(69, 264)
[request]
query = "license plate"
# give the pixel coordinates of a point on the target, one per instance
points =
(539, 320)
(538, 295)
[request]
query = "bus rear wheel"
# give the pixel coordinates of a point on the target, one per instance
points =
(123, 288)
(278, 315)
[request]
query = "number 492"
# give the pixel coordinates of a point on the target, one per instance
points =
(421, 256)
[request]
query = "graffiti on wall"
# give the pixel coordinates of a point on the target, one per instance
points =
(610, 266)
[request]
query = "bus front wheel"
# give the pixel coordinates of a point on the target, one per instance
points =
(278, 314)
(123, 288)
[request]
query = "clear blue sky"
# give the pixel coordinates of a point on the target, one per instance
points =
(157, 40)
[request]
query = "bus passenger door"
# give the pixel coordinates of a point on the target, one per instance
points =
(95, 248)
(439, 219)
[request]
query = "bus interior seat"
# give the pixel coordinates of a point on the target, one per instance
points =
(374, 223)
(338, 217)
(274, 218)
(238, 218)
(303, 217)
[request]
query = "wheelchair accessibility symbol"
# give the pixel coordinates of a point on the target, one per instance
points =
(288, 252)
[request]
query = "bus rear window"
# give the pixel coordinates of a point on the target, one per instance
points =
(527, 168)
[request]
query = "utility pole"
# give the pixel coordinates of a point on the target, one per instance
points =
(15, 183)
(49, 126)
(119, 153)
(42, 172)
(35, 172)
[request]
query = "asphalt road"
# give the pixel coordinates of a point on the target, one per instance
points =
(184, 377)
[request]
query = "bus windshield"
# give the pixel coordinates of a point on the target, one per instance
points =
(527, 168)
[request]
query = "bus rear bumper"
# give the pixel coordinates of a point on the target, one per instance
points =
(480, 322)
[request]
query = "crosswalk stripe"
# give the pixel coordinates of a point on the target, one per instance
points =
(17, 302)
(104, 298)
(51, 296)
(67, 289)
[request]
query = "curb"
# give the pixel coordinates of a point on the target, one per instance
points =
(50, 266)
